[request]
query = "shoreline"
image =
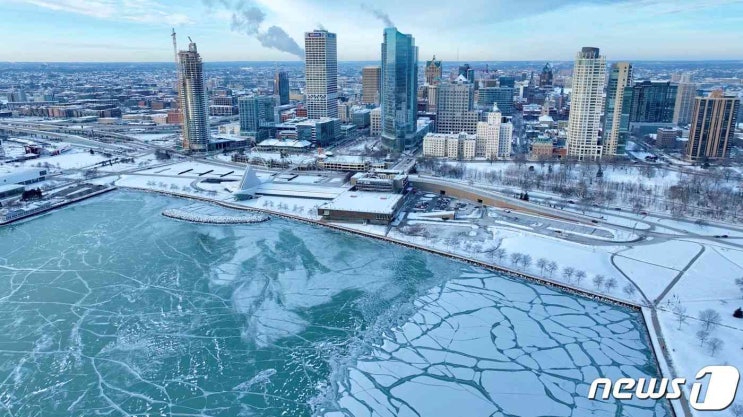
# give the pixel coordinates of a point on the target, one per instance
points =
(659, 359)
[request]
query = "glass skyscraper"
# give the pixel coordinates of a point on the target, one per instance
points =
(399, 88)
(256, 115)
(653, 102)
(281, 87)
(616, 122)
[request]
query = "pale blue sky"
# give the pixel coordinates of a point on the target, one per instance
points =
(138, 30)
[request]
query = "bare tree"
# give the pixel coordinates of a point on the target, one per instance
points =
(610, 284)
(709, 318)
(629, 289)
(526, 261)
(680, 312)
(516, 258)
(714, 345)
(551, 267)
(702, 335)
(542, 264)
(499, 254)
(579, 276)
(568, 273)
(598, 281)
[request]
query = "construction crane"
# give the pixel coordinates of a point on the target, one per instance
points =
(175, 48)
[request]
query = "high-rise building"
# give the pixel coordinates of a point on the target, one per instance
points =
(433, 71)
(502, 96)
(281, 87)
(653, 102)
(684, 109)
(256, 115)
(712, 126)
(545, 78)
(507, 82)
(432, 97)
(616, 127)
(193, 100)
(506, 137)
(584, 123)
(321, 74)
(399, 88)
(370, 82)
(454, 107)
(467, 72)
(488, 136)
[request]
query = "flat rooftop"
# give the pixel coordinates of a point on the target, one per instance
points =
(364, 202)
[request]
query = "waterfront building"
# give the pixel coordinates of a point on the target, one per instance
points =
(193, 101)
(398, 88)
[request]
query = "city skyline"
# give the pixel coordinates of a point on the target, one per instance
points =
(90, 31)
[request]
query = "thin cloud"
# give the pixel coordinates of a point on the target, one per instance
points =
(136, 11)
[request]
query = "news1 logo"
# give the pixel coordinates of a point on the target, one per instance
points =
(720, 390)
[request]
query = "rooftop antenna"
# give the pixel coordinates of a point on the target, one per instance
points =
(190, 40)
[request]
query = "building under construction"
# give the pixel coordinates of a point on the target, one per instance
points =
(193, 100)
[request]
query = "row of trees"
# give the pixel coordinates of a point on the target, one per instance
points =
(499, 255)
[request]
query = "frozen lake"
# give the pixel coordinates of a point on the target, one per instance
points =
(107, 307)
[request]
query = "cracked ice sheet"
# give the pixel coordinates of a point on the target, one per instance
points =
(487, 345)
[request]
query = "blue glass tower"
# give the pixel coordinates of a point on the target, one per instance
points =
(398, 88)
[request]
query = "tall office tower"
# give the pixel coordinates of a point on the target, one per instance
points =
(585, 105)
(454, 107)
(370, 81)
(502, 96)
(432, 96)
(281, 87)
(433, 71)
(193, 101)
(653, 103)
(684, 108)
(399, 88)
(712, 126)
(256, 115)
(467, 72)
(545, 78)
(321, 74)
(616, 128)
(507, 82)
(488, 135)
